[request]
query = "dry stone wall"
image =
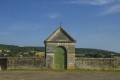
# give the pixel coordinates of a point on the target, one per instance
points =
(26, 63)
(98, 63)
(80, 63)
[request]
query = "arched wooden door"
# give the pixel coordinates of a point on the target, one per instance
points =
(60, 58)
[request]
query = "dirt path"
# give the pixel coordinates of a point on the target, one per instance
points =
(38, 75)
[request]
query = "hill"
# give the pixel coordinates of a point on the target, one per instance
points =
(22, 49)
(95, 53)
(15, 51)
(80, 52)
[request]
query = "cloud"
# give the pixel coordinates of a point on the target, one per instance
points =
(93, 2)
(54, 15)
(107, 6)
(111, 10)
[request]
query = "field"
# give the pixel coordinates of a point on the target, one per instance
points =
(57, 75)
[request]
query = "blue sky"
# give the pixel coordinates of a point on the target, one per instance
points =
(93, 23)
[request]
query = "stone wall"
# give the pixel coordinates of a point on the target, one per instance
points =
(98, 63)
(80, 63)
(25, 63)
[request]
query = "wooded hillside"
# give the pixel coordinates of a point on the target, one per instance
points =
(80, 52)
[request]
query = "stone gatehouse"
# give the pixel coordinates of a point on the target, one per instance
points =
(60, 50)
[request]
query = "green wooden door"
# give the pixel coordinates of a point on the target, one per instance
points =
(60, 58)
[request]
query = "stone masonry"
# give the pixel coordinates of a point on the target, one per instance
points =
(60, 38)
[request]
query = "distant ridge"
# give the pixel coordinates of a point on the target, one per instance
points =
(86, 52)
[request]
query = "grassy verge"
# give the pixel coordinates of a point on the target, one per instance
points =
(53, 70)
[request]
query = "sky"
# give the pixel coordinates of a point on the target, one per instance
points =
(92, 23)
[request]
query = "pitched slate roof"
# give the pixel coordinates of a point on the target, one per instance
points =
(60, 35)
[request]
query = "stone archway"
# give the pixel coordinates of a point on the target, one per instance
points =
(60, 58)
(60, 42)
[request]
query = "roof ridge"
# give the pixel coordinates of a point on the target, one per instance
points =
(63, 31)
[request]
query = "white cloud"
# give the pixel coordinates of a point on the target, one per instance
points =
(107, 6)
(93, 2)
(54, 15)
(111, 10)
